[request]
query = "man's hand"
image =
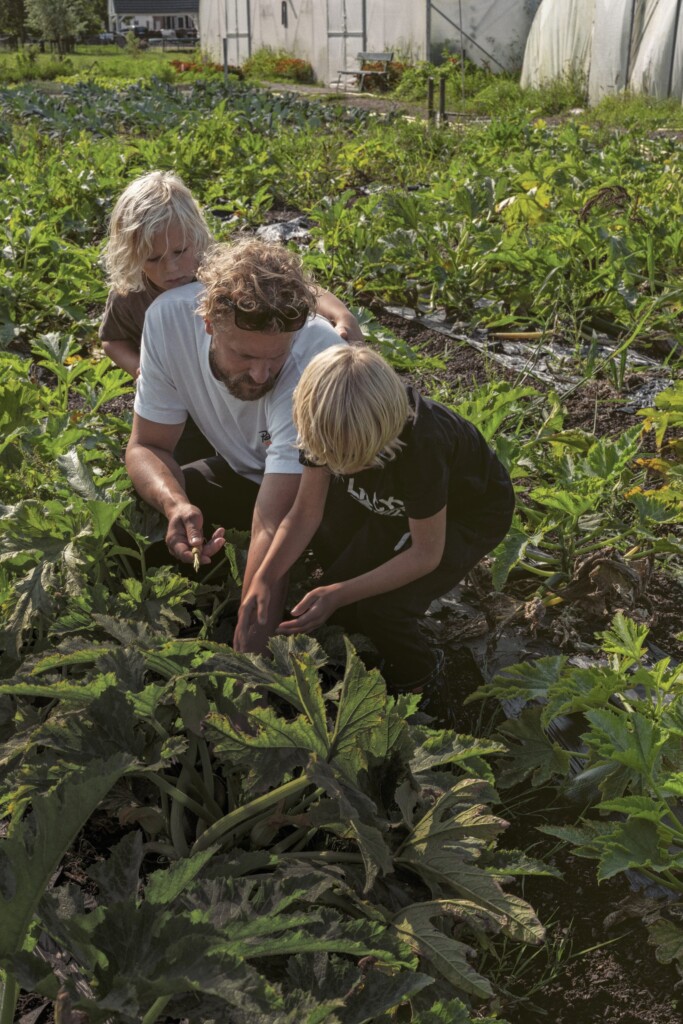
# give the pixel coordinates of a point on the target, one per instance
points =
(185, 536)
(313, 610)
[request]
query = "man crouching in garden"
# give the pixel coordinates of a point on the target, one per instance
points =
(227, 350)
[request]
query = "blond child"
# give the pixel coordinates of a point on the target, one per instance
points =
(157, 239)
(400, 497)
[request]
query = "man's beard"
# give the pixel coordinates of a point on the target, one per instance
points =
(241, 385)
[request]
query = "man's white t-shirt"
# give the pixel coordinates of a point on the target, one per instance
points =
(254, 437)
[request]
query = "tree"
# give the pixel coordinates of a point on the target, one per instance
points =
(61, 21)
(13, 18)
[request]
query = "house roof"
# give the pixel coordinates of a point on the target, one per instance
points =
(161, 7)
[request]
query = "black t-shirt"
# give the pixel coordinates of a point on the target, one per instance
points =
(444, 461)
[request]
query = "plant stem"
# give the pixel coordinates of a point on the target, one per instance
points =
(250, 810)
(197, 783)
(605, 542)
(9, 994)
(164, 849)
(155, 1009)
(336, 857)
(177, 795)
(545, 573)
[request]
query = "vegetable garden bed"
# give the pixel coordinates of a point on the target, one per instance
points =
(172, 850)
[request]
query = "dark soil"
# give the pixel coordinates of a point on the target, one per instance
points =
(590, 972)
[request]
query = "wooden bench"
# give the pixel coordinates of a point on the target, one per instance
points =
(367, 66)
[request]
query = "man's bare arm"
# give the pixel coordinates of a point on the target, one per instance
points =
(159, 481)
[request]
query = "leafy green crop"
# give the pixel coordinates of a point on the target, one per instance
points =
(334, 788)
(631, 771)
(291, 848)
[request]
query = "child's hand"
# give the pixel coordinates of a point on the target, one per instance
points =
(347, 327)
(253, 613)
(312, 611)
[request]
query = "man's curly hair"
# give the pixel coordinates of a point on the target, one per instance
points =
(257, 276)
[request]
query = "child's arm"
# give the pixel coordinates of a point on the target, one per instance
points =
(341, 318)
(428, 537)
(291, 540)
(125, 354)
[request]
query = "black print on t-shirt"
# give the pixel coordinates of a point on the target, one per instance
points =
(265, 438)
(382, 506)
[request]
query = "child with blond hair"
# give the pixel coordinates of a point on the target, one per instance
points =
(400, 497)
(157, 239)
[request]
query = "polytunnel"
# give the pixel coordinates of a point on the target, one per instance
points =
(614, 44)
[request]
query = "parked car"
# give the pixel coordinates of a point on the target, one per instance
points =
(169, 40)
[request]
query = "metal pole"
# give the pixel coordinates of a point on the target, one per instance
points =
(442, 100)
(344, 28)
(225, 61)
(430, 99)
(462, 55)
(237, 32)
(248, 28)
(365, 25)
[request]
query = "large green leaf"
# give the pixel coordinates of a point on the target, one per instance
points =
(442, 850)
(352, 814)
(362, 993)
(531, 680)
(32, 598)
(447, 956)
(362, 717)
(29, 857)
(531, 753)
(632, 844)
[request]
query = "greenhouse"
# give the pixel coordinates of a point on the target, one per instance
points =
(614, 44)
(329, 35)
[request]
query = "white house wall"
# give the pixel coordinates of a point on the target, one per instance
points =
(398, 26)
(609, 61)
(304, 35)
(389, 25)
(211, 28)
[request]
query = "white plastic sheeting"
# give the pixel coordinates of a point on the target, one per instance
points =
(491, 33)
(616, 44)
(329, 33)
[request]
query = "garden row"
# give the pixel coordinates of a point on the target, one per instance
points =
(329, 856)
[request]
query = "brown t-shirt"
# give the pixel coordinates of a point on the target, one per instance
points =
(124, 315)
